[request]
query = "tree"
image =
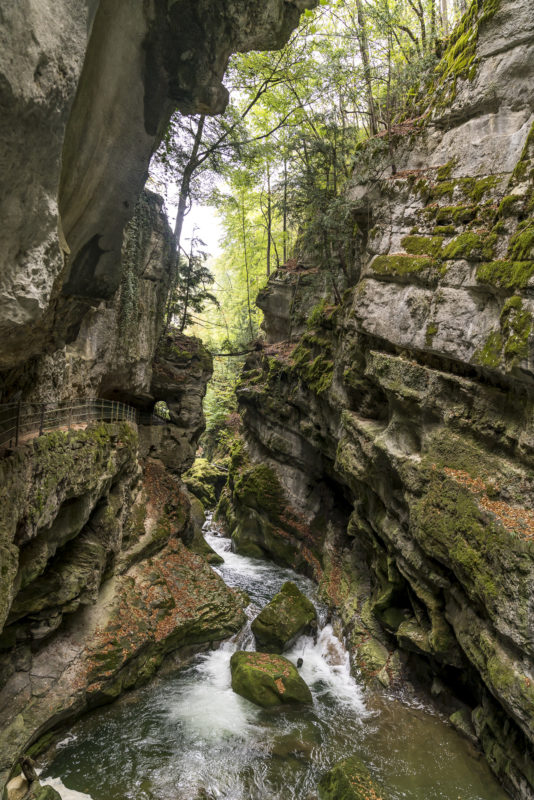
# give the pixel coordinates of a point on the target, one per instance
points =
(192, 289)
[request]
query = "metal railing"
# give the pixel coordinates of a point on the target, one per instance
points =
(20, 421)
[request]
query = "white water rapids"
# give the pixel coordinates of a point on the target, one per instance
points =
(188, 736)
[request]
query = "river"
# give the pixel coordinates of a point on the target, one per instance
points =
(188, 736)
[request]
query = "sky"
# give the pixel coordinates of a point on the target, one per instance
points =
(209, 227)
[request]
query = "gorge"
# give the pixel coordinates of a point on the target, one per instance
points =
(386, 446)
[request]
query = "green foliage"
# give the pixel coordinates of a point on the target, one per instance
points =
(220, 407)
(193, 282)
(276, 166)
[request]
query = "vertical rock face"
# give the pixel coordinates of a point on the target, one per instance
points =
(85, 91)
(97, 582)
(395, 433)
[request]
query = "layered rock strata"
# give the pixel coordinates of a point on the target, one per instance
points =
(86, 90)
(97, 582)
(390, 443)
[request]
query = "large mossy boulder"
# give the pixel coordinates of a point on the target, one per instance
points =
(287, 616)
(205, 480)
(267, 679)
(349, 780)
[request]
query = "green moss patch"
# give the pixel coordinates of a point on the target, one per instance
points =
(205, 481)
(474, 189)
(313, 360)
(521, 246)
(422, 245)
(459, 60)
(491, 353)
(444, 172)
(267, 680)
(259, 488)
(516, 326)
(349, 780)
(508, 205)
(448, 522)
(431, 330)
(510, 343)
(506, 274)
(471, 246)
(288, 615)
(444, 230)
(402, 265)
(453, 214)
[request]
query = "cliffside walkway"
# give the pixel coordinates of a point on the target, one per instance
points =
(20, 422)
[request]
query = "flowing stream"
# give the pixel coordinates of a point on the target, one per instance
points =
(188, 736)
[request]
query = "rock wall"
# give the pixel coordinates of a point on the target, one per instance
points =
(86, 89)
(98, 581)
(389, 445)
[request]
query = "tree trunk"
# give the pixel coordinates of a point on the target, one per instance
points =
(284, 211)
(185, 184)
(246, 262)
(445, 17)
(269, 221)
(183, 197)
(364, 51)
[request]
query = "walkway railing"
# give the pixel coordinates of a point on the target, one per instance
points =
(21, 421)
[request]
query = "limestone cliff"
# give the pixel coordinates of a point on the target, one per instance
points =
(86, 89)
(97, 582)
(389, 439)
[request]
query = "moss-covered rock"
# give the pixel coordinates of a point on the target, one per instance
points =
(423, 245)
(506, 274)
(198, 544)
(287, 616)
(40, 792)
(349, 780)
(471, 246)
(510, 344)
(205, 481)
(462, 721)
(267, 680)
(400, 266)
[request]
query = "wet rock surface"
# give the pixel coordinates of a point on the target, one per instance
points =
(287, 616)
(103, 81)
(349, 780)
(267, 680)
(397, 427)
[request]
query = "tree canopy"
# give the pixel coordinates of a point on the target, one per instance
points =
(274, 166)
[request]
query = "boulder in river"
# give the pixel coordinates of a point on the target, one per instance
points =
(349, 780)
(267, 679)
(287, 616)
